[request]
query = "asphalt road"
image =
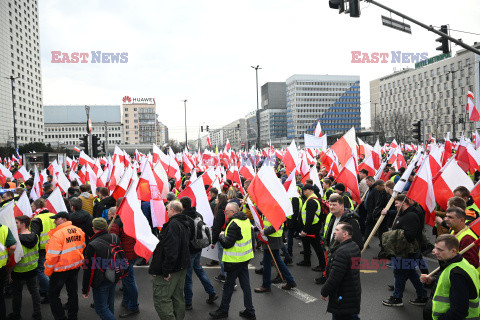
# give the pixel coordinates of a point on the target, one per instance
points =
(303, 303)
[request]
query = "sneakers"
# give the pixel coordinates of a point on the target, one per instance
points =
(304, 264)
(247, 315)
(262, 290)
(393, 302)
(212, 298)
(220, 278)
(129, 313)
(218, 314)
(419, 301)
(289, 286)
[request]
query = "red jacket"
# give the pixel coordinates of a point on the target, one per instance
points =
(128, 243)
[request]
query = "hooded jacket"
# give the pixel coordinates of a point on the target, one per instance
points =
(172, 254)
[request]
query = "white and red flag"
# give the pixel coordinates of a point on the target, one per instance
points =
(76, 149)
(268, 193)
(345, 146)
(4, 174)
(136, 225)
(473, 113)
(368, 165)
(122, 186)
(257, 220)
(291, 158)
(449, 177)
(348, 176)
(22, 206)
(422, 191)
(196, 192)
(22, 173)
(55, 203)
(318, 130)
(209, 141)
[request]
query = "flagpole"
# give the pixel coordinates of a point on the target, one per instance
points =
(470, 246)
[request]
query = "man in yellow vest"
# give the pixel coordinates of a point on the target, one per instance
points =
(456, 294)
(25, 270)
(464, 193)
(7, 247)
(455, 220)
(237, 252)
(41, 225)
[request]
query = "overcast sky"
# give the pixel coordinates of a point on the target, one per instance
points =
(202, 50)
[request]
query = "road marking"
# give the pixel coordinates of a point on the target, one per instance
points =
(299, 294)
(251, 267)
(368, 271)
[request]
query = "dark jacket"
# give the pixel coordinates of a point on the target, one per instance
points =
(409, 221)
(461, 290)
(234, 235)
(172, 254)
(219, 223)
(36, 225)
(293, 221)
(46, 195)
(83, 220)
(104, 204)
(311, 211)
(370, 200)
(192, 214)
(28, 241)
(343, 287)
(95, 254)
(128, 243)
(350, 217)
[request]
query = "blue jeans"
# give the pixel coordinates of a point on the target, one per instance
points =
(130, 290)
(402, 274)
(220, 254)
(240, 272)
(288, 256)
(43, 280)
(103, 299)
(352, 317)
(195, 265)
(290, 236)
(267, 268)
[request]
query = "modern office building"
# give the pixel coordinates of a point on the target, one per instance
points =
(273, 126)
(66, 124)
(235, 132)
(162, 134)
(273, 95)
(20, 59)
(435, 91)
(139, 120)
(334, 100)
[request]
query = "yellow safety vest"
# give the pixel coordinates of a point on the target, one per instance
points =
(300, 204)
(242, 250)
(3, 242)
(277, 234)
(441, 299)
(47, 225)
(462, 234)
(325, 193)
(29, 260)
(327, 222)
(316, 219)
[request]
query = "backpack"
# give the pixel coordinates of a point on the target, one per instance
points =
(118, 268)
(201, 238)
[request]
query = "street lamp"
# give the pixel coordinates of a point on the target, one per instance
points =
(185, 104)
(12, 79)
(258, 107)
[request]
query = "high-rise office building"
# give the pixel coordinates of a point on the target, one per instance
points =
(334, 100)
(20, 58)
(139, 120)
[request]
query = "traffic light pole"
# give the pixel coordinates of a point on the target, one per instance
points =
(106, 138)
(429, 28)
(89, 131)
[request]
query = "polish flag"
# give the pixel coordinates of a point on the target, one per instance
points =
(187, 164)
(63, 182)
(22, 206)
(394, 144)
(368, 165)
(196, 192)
(473, 158)
(234, 175)
(473, 114)
(313, 175)
(209, 176)
(475, 193)
(159, 173)
(449, 177)
(290, 186)
(270, 196)
(435, 156)
(4, 174)
(348, 176)
(227, 146)
(247, 172)
(84, 159)
(462, 154)
(136, 225)
(364, 148)
(447, 150)
(257, 220)
(22, 173)
(122, 186)
(209, 141)
(36, 191)
(291, 159)
(73, 176)
(345, 146)
(7, 218)
(318, 131)
(149, 188)
(400, 185)
(55, 203)
(76, 149)
(422, 191)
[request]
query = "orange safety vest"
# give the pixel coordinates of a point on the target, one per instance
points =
(11, 185)
(64, 250)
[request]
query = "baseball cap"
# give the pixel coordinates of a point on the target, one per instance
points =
(61, 214)
(307, 186)
(339, 186)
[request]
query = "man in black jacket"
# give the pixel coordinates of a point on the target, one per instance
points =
(81, 218)
(343, 287)
(368, 205)
(404, 268)
(97, 261)
(195, 254)
(169, 264)
(100, 209)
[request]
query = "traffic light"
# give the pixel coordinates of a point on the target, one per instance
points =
(201, 128)
(95, 146)
(337, 4)
(354, 8)
(104, 146)
(417, 130)
(208, 128)
(444, 41)
(84, 143)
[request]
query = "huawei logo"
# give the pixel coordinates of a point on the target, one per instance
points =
(127, 99)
